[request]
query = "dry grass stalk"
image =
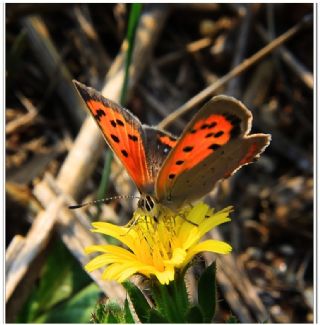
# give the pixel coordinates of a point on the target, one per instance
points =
(236, 71)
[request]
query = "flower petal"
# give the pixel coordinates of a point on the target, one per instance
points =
(157, 247)
(124, 235)
(210, 245)
(215, 220)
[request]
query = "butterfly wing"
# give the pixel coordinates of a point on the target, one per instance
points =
(123, 133)
(213, 146)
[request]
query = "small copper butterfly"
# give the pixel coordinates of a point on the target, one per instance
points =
(173, 171)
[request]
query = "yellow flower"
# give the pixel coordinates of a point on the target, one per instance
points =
(158, 247)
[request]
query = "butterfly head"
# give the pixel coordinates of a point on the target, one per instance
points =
(148, 205)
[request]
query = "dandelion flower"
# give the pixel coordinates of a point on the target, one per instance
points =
(157, 247)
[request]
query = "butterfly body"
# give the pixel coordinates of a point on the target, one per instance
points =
(173, 171)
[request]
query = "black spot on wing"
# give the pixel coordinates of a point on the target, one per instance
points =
(125, 153)
(119, 122)
(214, 146)
(99, 114)
(219, 134)
(133, 137)
(172, 176)
(115, 138)
(187, 149)
(212, 125)
(113, 123)
(179, 162)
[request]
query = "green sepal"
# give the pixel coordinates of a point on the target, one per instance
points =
(110, 313)
(207, 292)
(111, 318)
(195, 315)
(139, 302)
(127, 313)
(156, 318)
(171, 300)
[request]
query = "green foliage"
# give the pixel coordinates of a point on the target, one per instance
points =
(155, 317)
(112, 313)
(194, 315)
(131, 32)
(127, 313)
(62, 283)
(15, 57)
(207, 292)
(171, 302)
(140, 303)
(78, 309)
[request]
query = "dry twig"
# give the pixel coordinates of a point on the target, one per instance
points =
(236, 71)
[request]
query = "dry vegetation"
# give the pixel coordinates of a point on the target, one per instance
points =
(180, 50)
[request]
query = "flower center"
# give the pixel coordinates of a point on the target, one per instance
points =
(157, 235)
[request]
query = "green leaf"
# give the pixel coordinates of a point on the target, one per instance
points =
(135, 11)
(207, 292)
(194, 315)
(127, 313)
(156, 318)
(76, 310)
(139, 302)
(61, 277)
(56, 279)
(181, 294)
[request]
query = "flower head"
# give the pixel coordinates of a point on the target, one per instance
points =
(158, 247)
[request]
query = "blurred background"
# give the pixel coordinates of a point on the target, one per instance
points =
(55, 156)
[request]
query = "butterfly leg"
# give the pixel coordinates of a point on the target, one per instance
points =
(140, 218)
(189, 221)
(132, 223)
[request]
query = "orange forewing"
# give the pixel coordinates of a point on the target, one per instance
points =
(122, 131)
(201, 140)
(206, 135)
(215, 125)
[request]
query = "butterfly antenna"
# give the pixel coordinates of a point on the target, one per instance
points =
(77, 206)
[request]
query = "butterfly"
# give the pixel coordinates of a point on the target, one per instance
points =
(174, 171)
